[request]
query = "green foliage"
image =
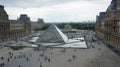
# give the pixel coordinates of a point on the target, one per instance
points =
(37, 29)
(69, 31)
(83, 26)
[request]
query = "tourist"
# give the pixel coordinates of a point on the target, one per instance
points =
(2, 58)
(74, 50)
(2, 64)
(69, 60)
(1, 47)
(99, 49)
(64, 50)
(19, 66)
(74, 57)
(10, 53)
(8, 59)
(92, 62)
(11, 57)
(45, 58)
(48, 59)
(27, 59)
(24, 55)
(14, 57)
(40, 65)
(41, 55)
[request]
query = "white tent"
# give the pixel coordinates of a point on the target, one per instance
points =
(52, 35)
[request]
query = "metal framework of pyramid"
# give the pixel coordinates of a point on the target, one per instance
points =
(52, 35)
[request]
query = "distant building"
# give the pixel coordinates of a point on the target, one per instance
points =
(108, 25)
(24, 17)
(40, 21)
(13, 29)
(38, 25)
(68, 27)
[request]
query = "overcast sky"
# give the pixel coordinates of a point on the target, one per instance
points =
(56, 10)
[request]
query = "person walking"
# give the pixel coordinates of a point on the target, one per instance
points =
(40, 64)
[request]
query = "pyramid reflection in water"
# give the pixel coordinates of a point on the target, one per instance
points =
(52, 35)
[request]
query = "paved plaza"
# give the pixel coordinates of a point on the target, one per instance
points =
(97, 55)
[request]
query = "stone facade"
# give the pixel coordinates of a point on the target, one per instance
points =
(100, 25)
(108, 28)
(68, 27)
(38, 24)
(13, 29)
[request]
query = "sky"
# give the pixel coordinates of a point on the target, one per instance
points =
(56, 10)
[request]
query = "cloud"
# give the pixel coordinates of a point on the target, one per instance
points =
(39, 3)
(32, 3)
(56, 10)
(72, 11)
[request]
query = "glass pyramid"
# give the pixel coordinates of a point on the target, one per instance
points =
(52, 35)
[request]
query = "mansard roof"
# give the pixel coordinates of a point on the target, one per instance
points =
(101, 16)
(2, 11)
(113, 5)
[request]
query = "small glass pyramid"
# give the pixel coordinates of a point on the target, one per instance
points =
(52, 35)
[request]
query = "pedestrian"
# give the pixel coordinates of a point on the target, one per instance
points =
(45, 58)
(92, 62)
(11, 57)
(74, 50)
(19, 66)
(8, 59)
(99, 49)
(2, 58)
(3, 64)
(10, 53)
(48, 59)
(40, 65)
(27, 59)
(74, 57)
(69, 60)
(64, 50)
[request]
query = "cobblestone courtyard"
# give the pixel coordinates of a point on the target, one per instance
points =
(97, 55)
